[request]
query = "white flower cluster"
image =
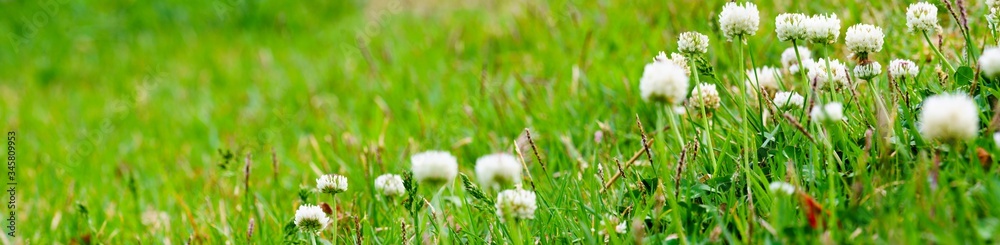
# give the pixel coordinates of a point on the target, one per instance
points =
(831, 112)
(390, 185)
(517, 204)
(764, 78)
(739, 20)
(993, 17)
(676, 59)
(921, 17)
(864, 38)
(692, 43)
(664, 81)
(868, 71)
(331, 183)
(818, 72)
(496, 170)
(900, 68)
(949, 117)
(823, 29)
(989, 62)
(434, 167)
(779, 187)
(788, 100)
(705, 95)
(791, 26)
(311, 218)
(791, 63)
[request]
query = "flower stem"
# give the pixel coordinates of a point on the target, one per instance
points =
(704, 118)
(938, 52)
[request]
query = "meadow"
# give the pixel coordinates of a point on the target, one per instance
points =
(504, 122)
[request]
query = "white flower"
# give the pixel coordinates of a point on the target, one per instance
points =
(705, 95)
(831, 112)
(434, 167)
(788, 99)
(390, 185)
(993, 17)
(921, 16)
(331, 184)
(663, 81)
(818, 72)
(156, 220)
(868, 71)
(766, 78)
(498, 169)
(823, 28)
(791, 26)
(864, 38)
(782, 188)
(899, 68)
(692, 43)
(739, 20)
(517, 204)
(949, 117)
(993, 3)
(791, 63)
(989, 62)
(996, 139)
(310, 218)
(621, 228)
(676, 59)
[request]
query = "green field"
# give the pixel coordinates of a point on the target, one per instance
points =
(208, 122)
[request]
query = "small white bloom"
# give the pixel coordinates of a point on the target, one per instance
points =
(791, 26)
(900, 68)
(705, 95)
(989, 62)
(310, 218)
(390, 185)
(331, 184)
(663, 81)
(791, 63)
(864, 38)
(831, 112)
(818, 72)
(676, 59)
(692, 43)
(621, 228)
(765, 78)
(823, 29)
(868, 71)
(788, 99)
(996, 139)
(782, 188)
(921, 16)
(993, 17)
(739, 20)
(156, 220)
(517, 204)
(496, 170)
(949, 117)
(434, 167)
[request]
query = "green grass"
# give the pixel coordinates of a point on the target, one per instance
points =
(121, 109)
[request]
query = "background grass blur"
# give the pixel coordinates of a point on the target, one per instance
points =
(122, 107)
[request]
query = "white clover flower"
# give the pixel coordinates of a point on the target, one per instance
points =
(788, 99)
(899, 68)
(921, 16)
(496, 170)
(823, 29)
(705, 95)
(864, 38)
(390, 185)
(692, 43)
(311, 218)
(764, 78)
(782, 188)
(434, 167)
(996, 139)
(518, 204)
(818, 72)
(989, 62)
(676, 59)
(664, 81)
(949, 117)
(791, 63)
(993, 17)
(331, 184)
(791, 26)
(868, 71)
(739, 20)
(621, 228)
(831, 112)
